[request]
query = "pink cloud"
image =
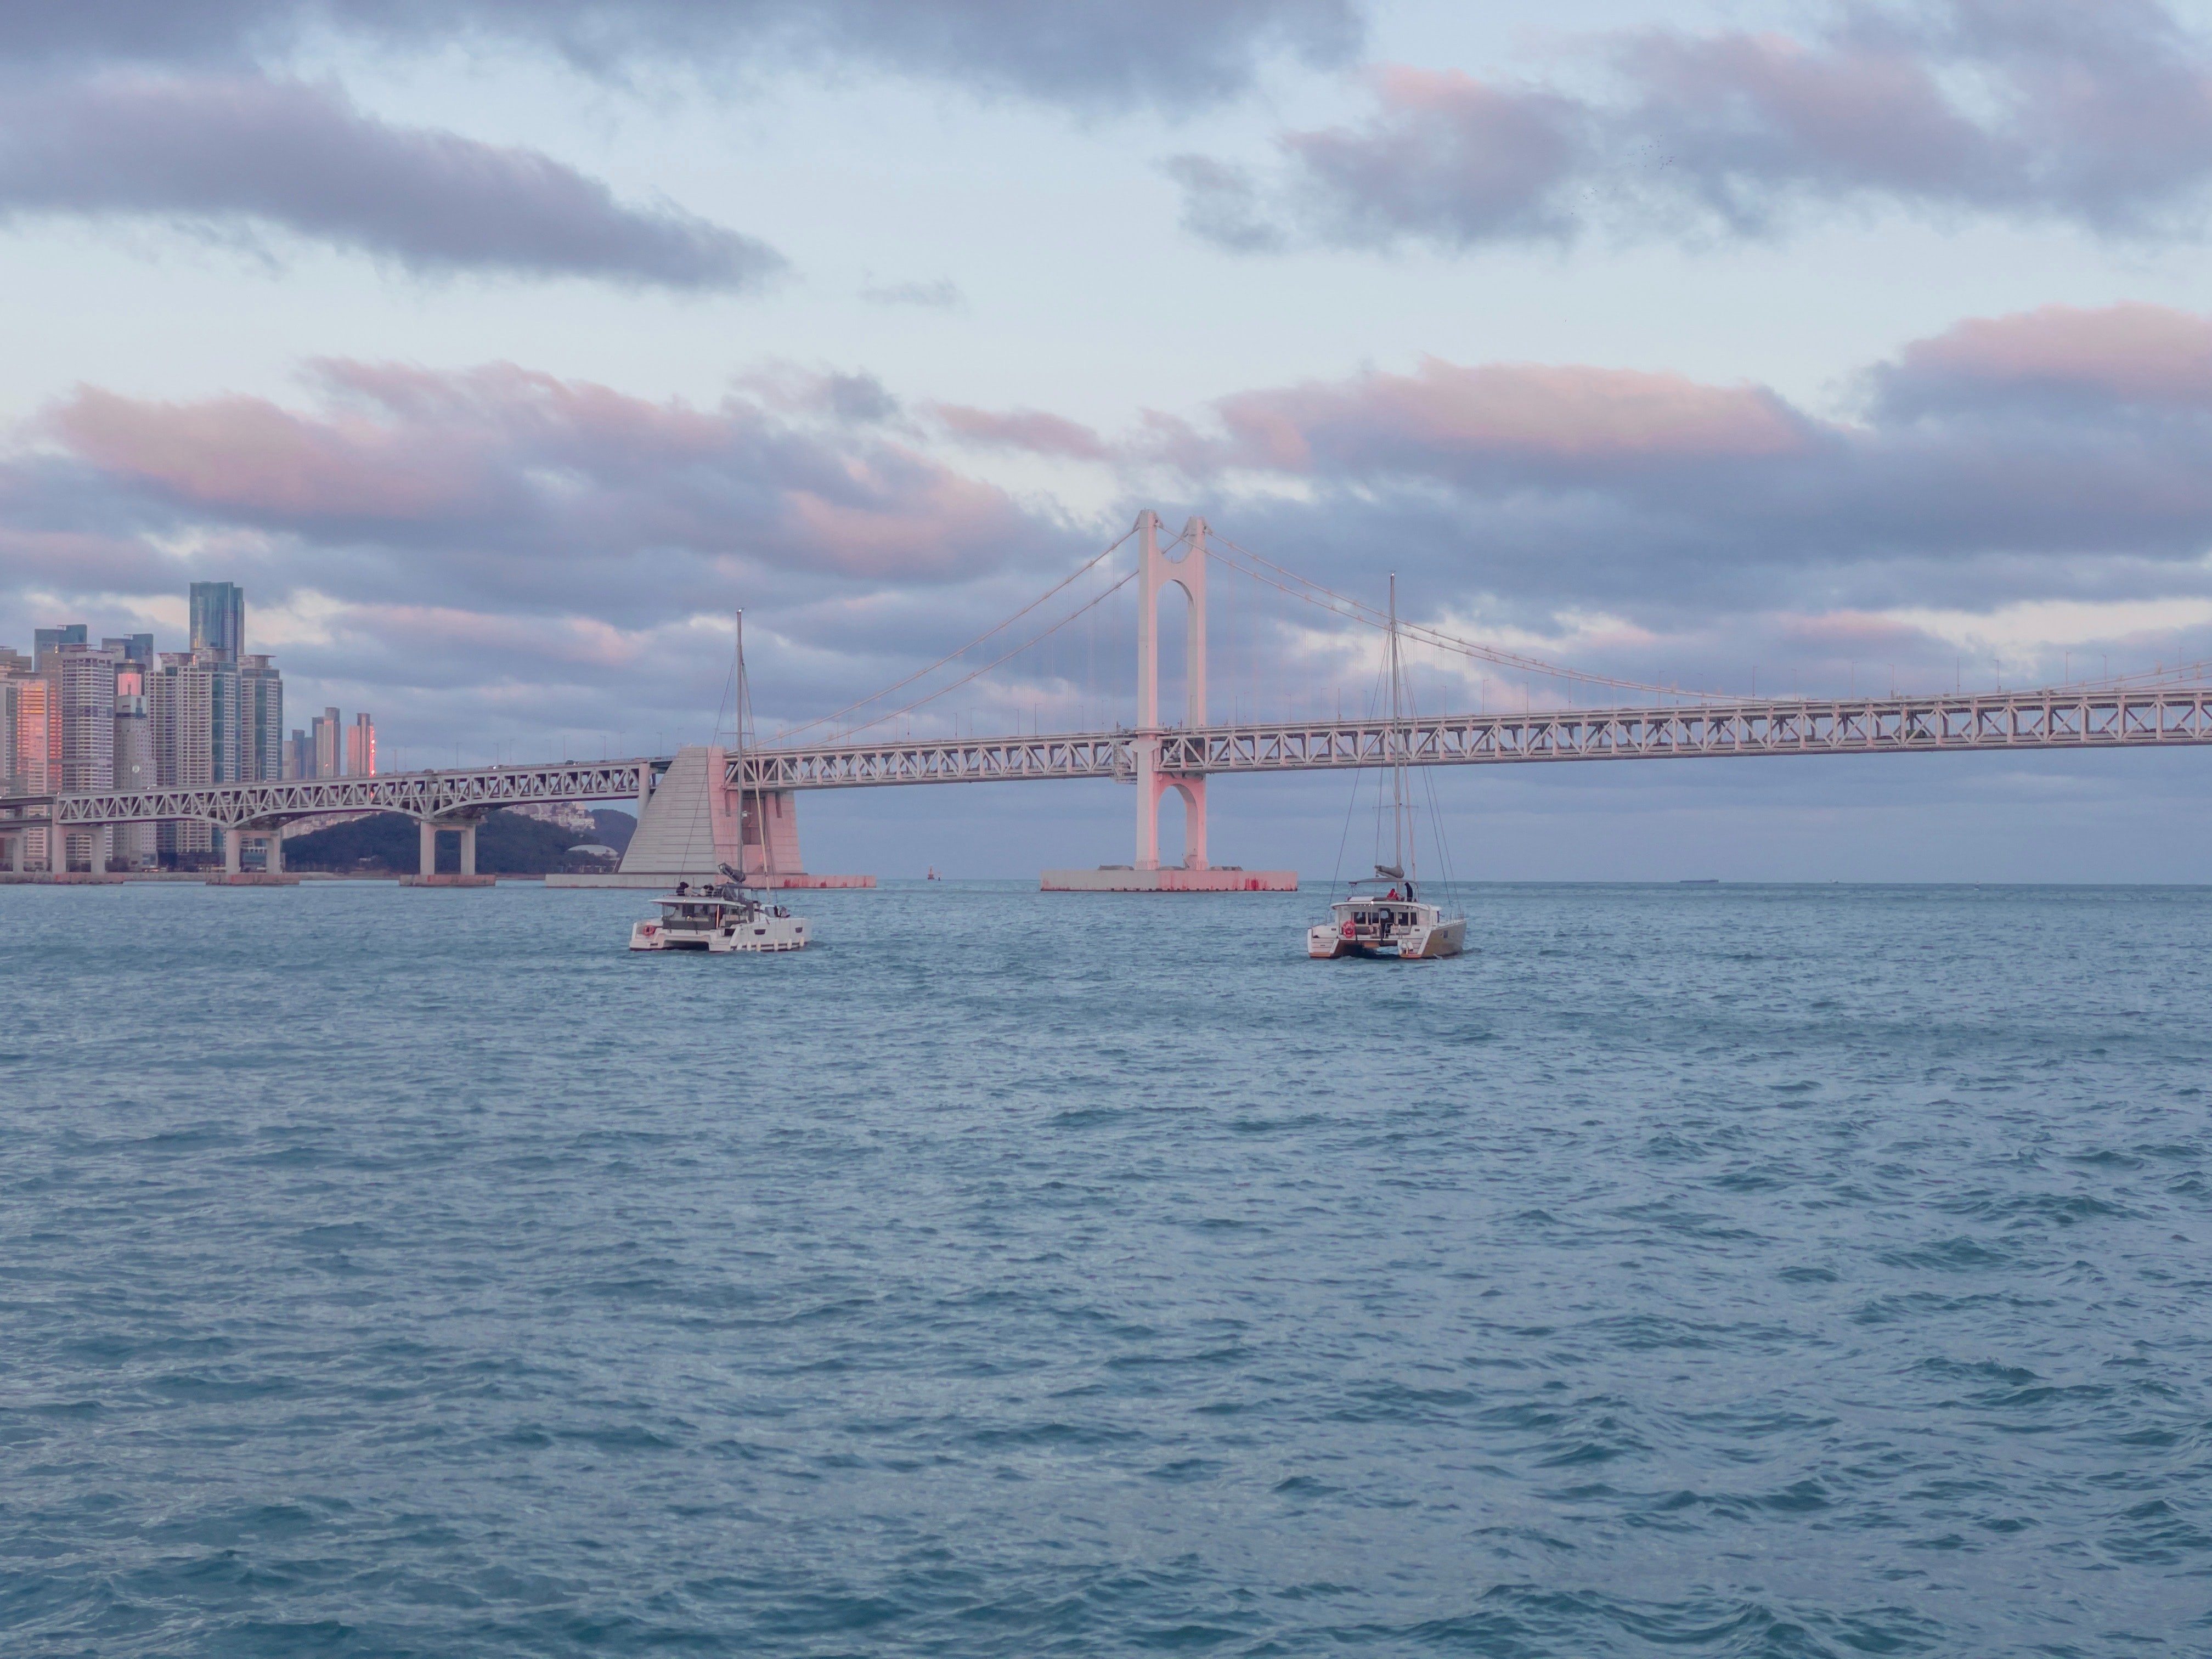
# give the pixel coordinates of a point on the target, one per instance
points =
(2136, 353)
(246, 452)
(1843, 113)
(500, 457)
(1444, 411)
(1030, 430)
(934, 531)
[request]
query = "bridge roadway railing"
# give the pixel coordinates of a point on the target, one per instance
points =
(426, 795)
(2067, 718)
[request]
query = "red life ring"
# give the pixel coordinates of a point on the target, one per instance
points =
(1349, 931)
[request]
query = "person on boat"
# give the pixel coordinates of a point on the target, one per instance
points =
(683, 887)
(1394, 892)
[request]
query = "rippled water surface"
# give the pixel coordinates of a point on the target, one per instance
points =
(1783, 1271)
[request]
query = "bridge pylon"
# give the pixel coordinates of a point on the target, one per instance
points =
(1147, 742)
(1156, 571)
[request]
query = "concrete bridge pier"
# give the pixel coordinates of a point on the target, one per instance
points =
(271, 873)
(427, 867)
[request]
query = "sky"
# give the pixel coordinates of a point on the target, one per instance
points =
(502, 348)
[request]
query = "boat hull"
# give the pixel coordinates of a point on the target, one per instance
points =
(1326, 942)
(1447, 938)
(770, 933)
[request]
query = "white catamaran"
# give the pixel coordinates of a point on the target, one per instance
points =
(1383, 914)
(725, 916)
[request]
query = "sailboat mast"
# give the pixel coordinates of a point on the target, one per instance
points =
(1399, 851)
(741, 743)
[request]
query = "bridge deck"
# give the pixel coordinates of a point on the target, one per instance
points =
(2057, 718)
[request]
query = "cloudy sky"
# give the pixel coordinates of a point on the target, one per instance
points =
(500, 348)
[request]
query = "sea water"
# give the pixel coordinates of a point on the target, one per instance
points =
(1685, 1271)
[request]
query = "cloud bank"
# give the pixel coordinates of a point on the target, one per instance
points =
(232, 152)
(2009, 488)
(2061, 458)
(2099, 116)
(1081, 52)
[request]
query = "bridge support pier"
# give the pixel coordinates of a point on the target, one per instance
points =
(235, 874)
(1153, 785)
(427, 872)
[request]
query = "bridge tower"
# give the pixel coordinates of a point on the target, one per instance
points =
(1156, 571)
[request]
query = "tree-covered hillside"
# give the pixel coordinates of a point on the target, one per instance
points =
(508, 844)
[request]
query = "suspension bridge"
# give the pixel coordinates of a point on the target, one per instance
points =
(737, 804)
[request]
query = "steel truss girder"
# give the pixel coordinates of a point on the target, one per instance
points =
(2033, 720)
(971, 760)
(2028, 720)
(429, 795)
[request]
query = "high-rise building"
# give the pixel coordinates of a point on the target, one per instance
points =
(299, 756)
(330, 745)
(88, 683)
(219, 619)
(132, 648)
(48, 641)
(361, 748)
(30, 716)
(34, 725)
(193, 707)
(87, 695)
(260, 722)
(136, 844)
(14, 662)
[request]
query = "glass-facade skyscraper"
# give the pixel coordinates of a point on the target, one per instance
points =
(46, 640)
(219, 618)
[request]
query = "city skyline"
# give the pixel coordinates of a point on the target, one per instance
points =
(81, 718)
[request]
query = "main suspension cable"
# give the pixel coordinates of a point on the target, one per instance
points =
(1088, 604)
(950, 656)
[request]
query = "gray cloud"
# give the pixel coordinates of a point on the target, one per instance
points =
(2101, 115)
(1223, 203)
(1086, 52)
(225, 151)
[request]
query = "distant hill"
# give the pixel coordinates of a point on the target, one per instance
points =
(508, 844)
